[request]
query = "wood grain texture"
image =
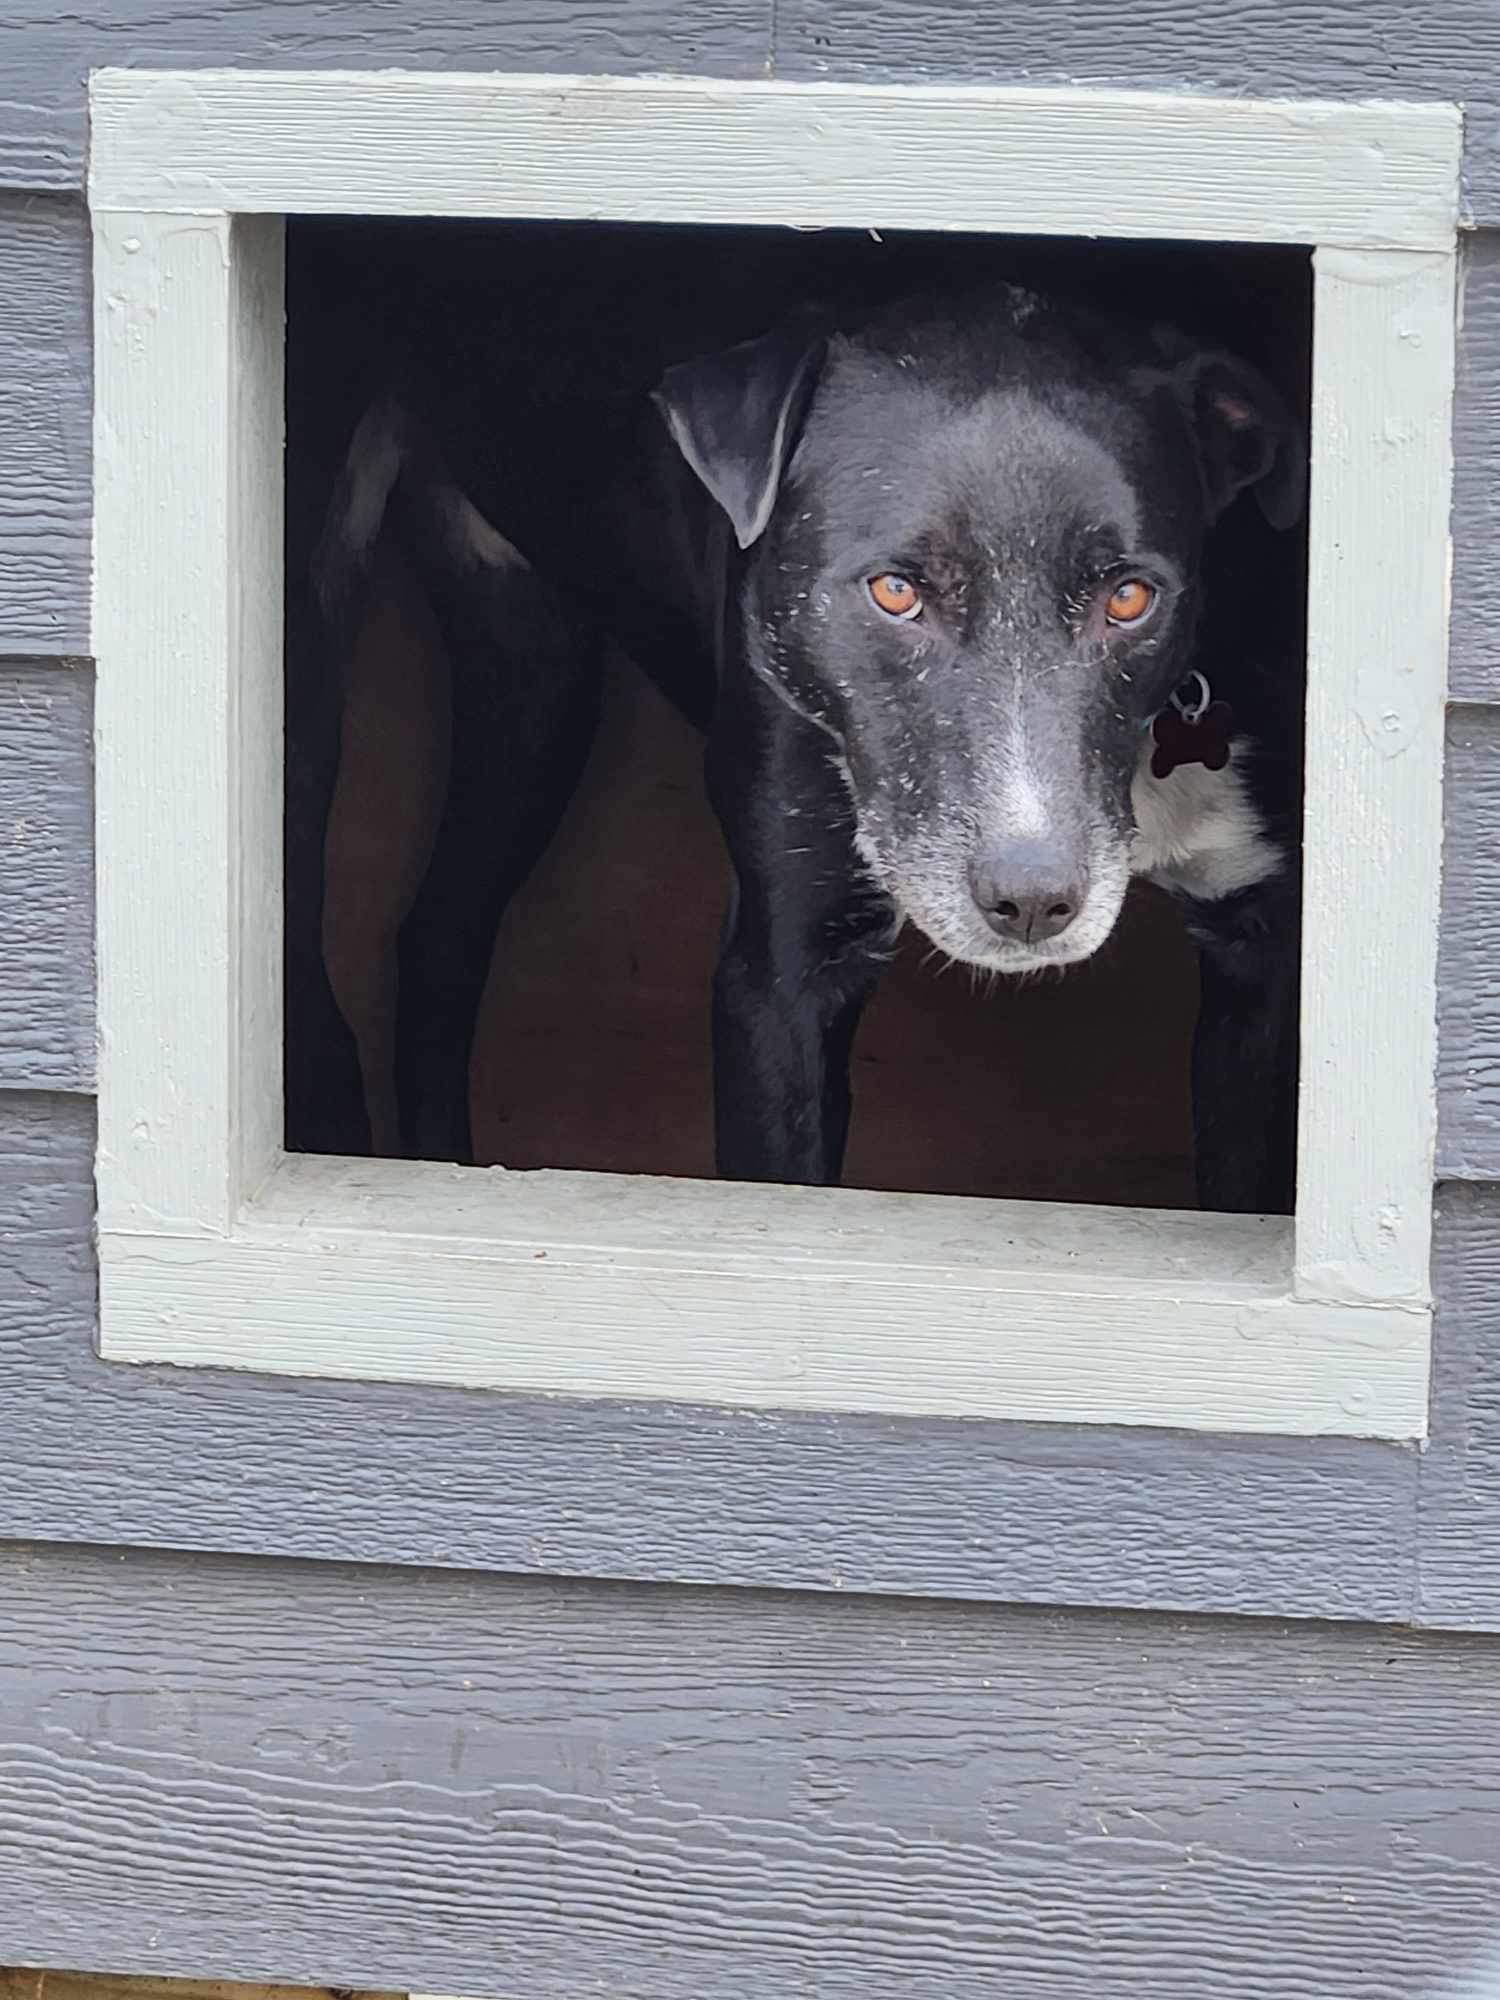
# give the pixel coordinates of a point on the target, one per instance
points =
(1381, 480)
(777, 1298)
(544, 1791)
(189, 345)
(1314, 48)
(199, 1459)
(1474, 637)
(44, 424)
(46, 53)
(46, 876)
(834, 155)
(25, 1983)
(1468, 991)
(1458, 1578)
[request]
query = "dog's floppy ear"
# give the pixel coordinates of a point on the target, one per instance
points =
(735, 418)
(1246, 437)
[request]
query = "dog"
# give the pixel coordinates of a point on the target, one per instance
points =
(965, 554)
(969, 596)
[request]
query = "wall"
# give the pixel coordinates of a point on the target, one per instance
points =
(416, 1771)
(547, 1790)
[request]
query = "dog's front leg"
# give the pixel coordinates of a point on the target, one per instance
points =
(1245, 1050)
(804, 943)
(525, 699)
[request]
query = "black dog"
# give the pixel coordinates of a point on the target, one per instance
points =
(966, 577)
(939, 584)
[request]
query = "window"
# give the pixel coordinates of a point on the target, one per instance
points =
(538, 343)
(219, 1248)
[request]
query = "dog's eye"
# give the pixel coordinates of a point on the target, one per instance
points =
(1129, 601)
(896, 596)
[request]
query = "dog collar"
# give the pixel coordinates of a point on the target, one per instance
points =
(1193, 728)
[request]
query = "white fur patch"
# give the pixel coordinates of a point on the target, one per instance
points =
(374, 464)
(1022, 804)
(1197, 831)
(480, 542)
(376, 458)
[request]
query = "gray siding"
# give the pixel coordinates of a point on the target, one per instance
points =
(547, 1787)
(547, 1791)
(1458, 1522)
(46, 876)
(190, 1459)
(1474, 637)
(44, 424)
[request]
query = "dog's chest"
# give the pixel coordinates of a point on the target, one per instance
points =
(1200, 832)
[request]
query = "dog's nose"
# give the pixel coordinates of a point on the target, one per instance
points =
(1027, 892)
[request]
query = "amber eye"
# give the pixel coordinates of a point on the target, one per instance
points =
(896, 596)
(1129, 601)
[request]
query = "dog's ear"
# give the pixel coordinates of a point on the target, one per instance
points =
(1246, 437)
(736, 416)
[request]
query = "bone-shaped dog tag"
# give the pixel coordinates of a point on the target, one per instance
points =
(1192, 729)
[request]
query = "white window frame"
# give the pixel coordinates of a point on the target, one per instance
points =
(216, 1248)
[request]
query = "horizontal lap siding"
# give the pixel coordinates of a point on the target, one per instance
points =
(1458, 1519)
(198, 1460)
(46, 811)
(446, 1782)
(46, 876)
(546, 1791)
(44, 424)
(1474, 652)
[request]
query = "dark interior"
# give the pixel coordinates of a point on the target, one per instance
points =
(593, 1041)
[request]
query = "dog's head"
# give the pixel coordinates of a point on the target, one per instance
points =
(974, 544)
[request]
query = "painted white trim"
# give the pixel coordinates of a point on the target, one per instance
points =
(362, 1270)
(690, 149)
(188, 339)
(216, 1249)
(1382, 467)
